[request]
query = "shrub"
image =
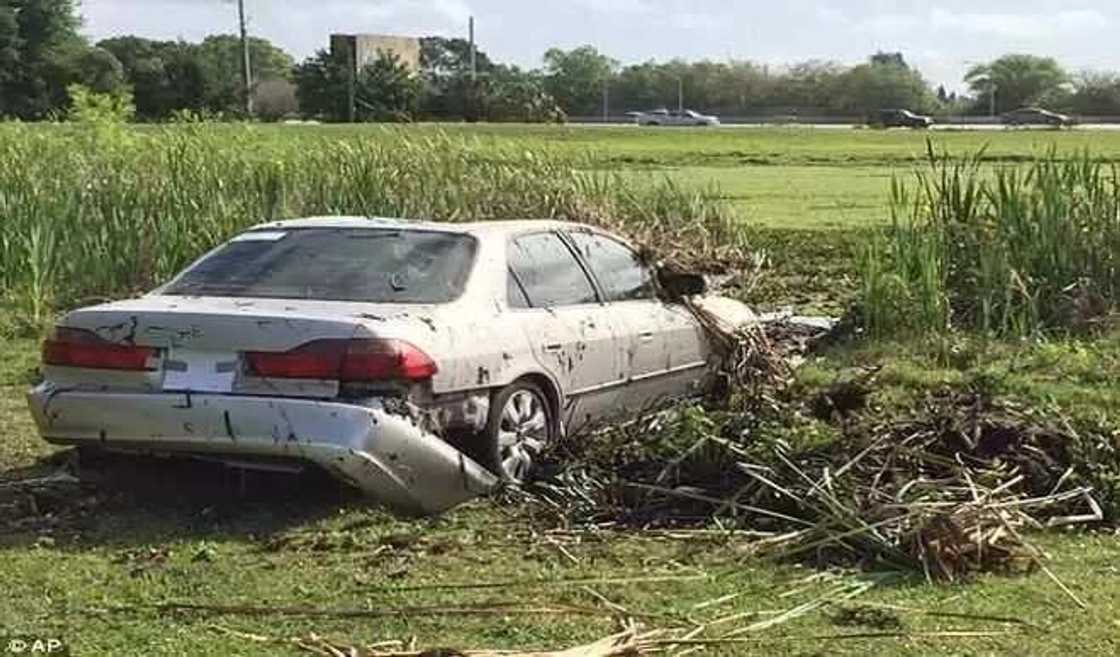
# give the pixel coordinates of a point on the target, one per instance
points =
(1012, 251)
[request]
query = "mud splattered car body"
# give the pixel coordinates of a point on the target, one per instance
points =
(421, 362)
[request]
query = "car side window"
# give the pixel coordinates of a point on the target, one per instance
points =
(616, 266)
(515, 294)
(548, 272)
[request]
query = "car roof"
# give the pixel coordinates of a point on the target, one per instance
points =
(478, 228)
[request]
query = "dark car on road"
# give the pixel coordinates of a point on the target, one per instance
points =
(900, 118)
(1036, 116)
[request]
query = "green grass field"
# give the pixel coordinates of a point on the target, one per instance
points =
(105, 576)
(780, 177)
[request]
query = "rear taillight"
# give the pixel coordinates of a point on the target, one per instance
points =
(70, 347)
(358, 360)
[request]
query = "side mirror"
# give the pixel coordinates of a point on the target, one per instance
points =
(681, 284)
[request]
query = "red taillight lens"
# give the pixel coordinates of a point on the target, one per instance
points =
(359, 360)
(69, 347)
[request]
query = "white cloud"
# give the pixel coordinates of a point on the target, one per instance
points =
(830, 14)
(615, 6)
(1011, 25)
(891, 23)
(1023, 26)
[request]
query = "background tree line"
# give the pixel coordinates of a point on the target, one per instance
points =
(42, 54)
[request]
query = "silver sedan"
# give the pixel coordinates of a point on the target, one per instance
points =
(421, 362)
(664, 117)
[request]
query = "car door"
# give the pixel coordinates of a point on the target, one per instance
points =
(572, 334)
(666, 349)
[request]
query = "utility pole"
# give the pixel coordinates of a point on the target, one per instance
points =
(473, 109)
(351, 74)
(606, 100)
(246, 71)
(474, 63)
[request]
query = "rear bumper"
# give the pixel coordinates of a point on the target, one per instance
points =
(380, 451)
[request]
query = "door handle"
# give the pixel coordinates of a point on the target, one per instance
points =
(553, 347)
(645, 336)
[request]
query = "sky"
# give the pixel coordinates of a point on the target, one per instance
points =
(942, 38)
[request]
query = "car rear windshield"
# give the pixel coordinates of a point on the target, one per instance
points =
(335, 264)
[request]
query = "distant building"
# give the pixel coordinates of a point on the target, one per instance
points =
(363, 49)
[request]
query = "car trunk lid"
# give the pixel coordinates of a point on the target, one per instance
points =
(201, 342)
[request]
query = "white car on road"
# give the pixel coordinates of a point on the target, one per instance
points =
(421, 362)
(674, 118)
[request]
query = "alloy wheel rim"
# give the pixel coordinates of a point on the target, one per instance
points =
(522, 433)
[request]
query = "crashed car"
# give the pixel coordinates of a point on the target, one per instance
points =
(420, 362)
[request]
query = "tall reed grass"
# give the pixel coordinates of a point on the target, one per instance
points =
(1010, 251)
(92, 212)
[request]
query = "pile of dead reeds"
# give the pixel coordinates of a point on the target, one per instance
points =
(948, 490)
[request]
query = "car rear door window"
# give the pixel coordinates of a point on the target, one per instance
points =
(548, 272)
(619, 270)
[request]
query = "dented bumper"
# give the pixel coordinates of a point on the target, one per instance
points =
(383, 453)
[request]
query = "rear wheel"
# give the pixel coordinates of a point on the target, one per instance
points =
(520, 426)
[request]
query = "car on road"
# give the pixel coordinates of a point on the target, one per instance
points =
(666, 117)
(421, 362)
(1036, 116)
(900, 118)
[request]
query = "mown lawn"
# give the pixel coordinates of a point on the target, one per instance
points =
(104, 572)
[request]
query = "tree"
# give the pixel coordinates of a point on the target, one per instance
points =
(220, 57)
(1016, 80)
(166, 76)
(11, 43)
(575, 78)
(510, 94)
(384, 90)
(387, 90)
(642, 87)
(884, 82)
(99, 71)
(1096, 94)
(809, 85)
(445, 71)
(321, 86)
(39, 41)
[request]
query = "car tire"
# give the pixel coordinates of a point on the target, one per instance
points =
(520, 426)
